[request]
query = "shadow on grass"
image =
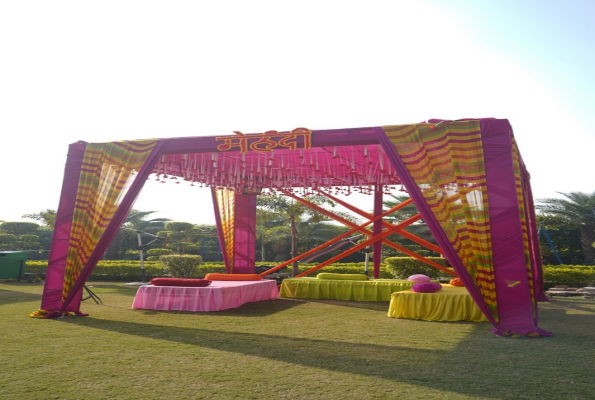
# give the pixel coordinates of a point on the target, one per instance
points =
(333, 355)
(11, 297)
(100, 287)
(480, 364)
(577, 304)
(254, 309)
(364, 305)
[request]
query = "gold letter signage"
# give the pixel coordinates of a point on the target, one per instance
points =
(264, 142)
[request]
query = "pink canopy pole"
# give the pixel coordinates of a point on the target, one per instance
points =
(54, 279)
(515, 304)
(244, 253)
(377, 229)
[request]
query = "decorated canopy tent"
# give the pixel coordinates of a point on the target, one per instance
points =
(466, 177)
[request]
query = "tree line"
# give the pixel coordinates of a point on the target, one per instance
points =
(286, 228)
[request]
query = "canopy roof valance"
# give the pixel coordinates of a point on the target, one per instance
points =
(247, 163)
(353, 167)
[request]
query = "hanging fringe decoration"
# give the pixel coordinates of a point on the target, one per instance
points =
(341, 169)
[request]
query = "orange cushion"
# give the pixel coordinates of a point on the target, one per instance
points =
(456, 282)
(233, 277)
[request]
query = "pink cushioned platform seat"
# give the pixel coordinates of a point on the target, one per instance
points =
(426, 287)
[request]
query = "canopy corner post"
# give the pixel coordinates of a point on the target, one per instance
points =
(377, 229)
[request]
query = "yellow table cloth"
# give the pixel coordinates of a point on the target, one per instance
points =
(449, 304)
(370, 290)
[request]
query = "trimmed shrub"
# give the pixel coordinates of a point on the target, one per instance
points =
(181, 266)
(154, 254)
(29, 238)
(19, 228)
(402, 267)
(6, 238)
(178, 226)
(572, 275)
(159, 252)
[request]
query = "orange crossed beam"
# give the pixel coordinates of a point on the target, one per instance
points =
(392, 229)
(365, 243)
(342, 236)
(386, 224)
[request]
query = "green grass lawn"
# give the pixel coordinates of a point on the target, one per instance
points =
(284, 349)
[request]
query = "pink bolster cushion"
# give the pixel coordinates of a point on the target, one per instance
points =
(346, 277)
(233, 277)
(426, 287)
(180, 282)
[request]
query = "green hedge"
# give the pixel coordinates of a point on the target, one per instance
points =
(113, 270)
(124, 270)
(571, 275)
(395, 267)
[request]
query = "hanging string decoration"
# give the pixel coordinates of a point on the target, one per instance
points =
(281, 161)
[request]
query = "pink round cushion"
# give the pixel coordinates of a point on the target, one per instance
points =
(180, 282)
(426, 287)
(419, 278)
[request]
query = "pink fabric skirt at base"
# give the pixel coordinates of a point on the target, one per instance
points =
(220, 295)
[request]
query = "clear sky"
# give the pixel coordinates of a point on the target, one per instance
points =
(116, 70)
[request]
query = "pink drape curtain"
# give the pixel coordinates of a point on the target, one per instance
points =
(54, 300)
(54, 278)
(509, 232)
(449, 248)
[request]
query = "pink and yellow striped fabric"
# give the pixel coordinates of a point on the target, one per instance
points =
(106, 174)
(226, 208)
(446, 162)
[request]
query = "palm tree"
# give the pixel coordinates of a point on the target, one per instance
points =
(578, 209)
(295, 212)
(126, 239)
(419, 228)
(401, 214)
(561, 238)
(315, 234)
(47, 217)
(136, 220)
(270, 226)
